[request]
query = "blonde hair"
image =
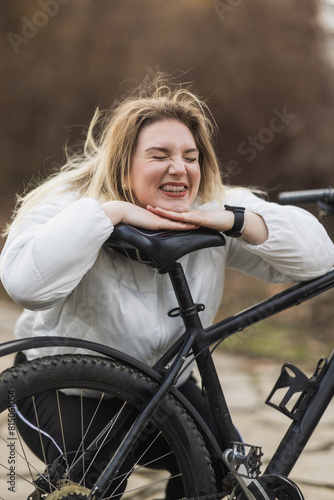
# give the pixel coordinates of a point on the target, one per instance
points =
(103, 167)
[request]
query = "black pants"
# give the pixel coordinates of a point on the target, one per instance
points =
(59, 439)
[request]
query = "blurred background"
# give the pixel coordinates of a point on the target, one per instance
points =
(266, 69)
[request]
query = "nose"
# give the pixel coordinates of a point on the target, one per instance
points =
(177, 166)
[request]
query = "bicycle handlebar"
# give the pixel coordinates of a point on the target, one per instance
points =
(307, 196)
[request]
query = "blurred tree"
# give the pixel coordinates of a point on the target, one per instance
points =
(260, 65)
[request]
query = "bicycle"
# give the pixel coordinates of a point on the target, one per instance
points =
(212, 464)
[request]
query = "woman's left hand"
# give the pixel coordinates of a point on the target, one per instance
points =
(220, 220)
(255, 230)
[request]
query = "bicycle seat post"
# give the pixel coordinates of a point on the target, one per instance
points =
(189, 312)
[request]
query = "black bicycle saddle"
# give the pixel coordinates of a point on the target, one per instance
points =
(161, 248)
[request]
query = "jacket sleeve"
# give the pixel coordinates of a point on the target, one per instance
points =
(47, 254)
(298, 247)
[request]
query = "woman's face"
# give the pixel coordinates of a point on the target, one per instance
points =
(165, 171)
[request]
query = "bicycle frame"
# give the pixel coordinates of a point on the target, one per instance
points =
(197, 340)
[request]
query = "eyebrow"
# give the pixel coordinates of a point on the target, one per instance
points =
(166, 150)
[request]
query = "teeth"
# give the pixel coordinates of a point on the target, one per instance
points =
(174, 189)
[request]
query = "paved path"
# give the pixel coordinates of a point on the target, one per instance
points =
(247, 383)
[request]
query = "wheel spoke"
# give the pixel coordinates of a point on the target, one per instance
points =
(81, 447)
(24, 456)
(41, 442)
(146, 487)
(108, 430)
(61, 426)
(83, 438)
(127, 474)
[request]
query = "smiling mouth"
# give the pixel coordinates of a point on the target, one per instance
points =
(173, 189)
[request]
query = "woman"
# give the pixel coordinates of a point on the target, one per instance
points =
(153, 166)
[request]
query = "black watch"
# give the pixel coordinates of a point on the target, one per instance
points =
(239, 219)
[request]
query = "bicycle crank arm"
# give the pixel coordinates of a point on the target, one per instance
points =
(251, 488)
(246, 468)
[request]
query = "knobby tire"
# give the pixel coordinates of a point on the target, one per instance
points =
(108, 379)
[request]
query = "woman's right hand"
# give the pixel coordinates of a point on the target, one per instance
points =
(128, 213)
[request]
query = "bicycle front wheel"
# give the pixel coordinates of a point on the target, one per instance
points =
(106, 397)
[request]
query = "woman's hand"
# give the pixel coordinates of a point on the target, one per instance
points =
(128, 213)
(220, 220)
(255, 230)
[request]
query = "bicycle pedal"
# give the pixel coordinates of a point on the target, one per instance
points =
(244, 460)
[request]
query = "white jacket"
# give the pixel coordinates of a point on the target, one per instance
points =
(56, 267)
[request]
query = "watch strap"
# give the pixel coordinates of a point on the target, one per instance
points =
(239, 219)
